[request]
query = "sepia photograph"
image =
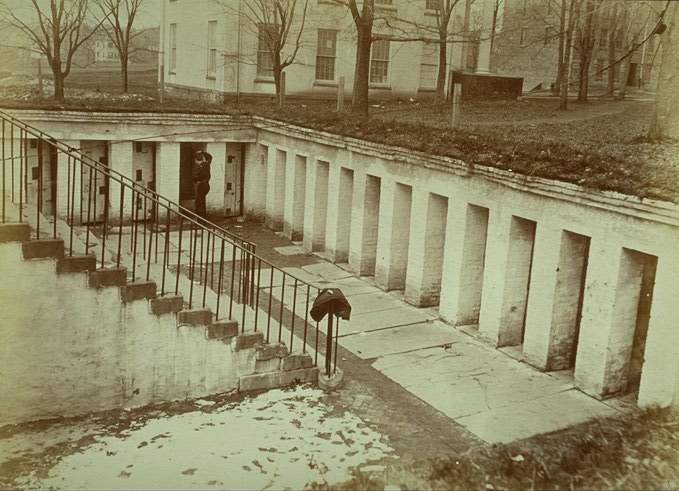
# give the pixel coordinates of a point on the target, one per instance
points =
(339, 245)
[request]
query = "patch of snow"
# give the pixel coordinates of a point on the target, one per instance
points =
(279, 439)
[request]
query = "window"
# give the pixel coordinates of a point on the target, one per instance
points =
(429, 65)
(264, 54)
(548, 35)
(432, 4)
(173, 47)
(379, 62)
(325, 54)
(211, 47)
(618, 39)
(603, 38)
(524, 36)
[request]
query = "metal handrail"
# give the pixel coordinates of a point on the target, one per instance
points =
(160, 214)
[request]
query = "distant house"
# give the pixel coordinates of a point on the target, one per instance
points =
(100, 48)
(527, 44)
(218, 50)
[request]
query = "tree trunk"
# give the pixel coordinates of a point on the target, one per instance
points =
(359, 99)
(124, 75)
(563, 103)
(586, 47)
(443, 68)
(58, 79)
(556, 90)
(665, 118)
(277, 69)
(610, 89)
(623, 78)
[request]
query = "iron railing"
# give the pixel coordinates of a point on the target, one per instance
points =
(150, 235)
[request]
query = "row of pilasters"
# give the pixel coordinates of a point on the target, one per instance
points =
(569, 301)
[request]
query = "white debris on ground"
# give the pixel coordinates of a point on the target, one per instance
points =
(281, 439)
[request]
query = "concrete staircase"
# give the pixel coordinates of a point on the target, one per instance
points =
(100, 342)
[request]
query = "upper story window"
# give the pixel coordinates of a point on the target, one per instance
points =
(326, 52)
(173, 47)
(212, 47)
(379, 62)
(432, 4)
(264, 54)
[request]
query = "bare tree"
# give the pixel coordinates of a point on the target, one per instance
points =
(665, 118)
(120, 16)
(585, 46)
(573, 10)
(278, 25)
(444, 11)
(59, 30)
(364, 19)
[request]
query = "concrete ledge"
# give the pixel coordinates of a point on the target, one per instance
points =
(138, 290)
(168, 304)
(195, 317)
(271, 351)
(297, 361)
(77, 264)
(15, 232)
(273, 380)
(42, 248)
(223, 330)
(107, 277)
(247, 340)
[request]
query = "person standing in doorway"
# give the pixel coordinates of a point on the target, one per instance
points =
(201, 180)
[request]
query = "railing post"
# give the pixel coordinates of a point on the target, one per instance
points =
(328, 342)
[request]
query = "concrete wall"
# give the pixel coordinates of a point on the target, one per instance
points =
(529, 262)
(80, 349)
(526, 261)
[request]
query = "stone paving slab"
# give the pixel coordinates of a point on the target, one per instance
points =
(380, 319)
(481, 378)
(550, 413)
(397, 340)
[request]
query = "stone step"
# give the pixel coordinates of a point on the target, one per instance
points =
(138, 290)
(15, 232)
(77, 263)
(43, 248)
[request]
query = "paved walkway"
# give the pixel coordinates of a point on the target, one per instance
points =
(484, 390)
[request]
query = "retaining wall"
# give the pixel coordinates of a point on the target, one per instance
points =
(549, 267)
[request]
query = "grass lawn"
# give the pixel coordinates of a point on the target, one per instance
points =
(600, 145)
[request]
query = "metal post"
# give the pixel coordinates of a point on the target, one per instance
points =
(340, 95)
(328, 343)
(457, 95)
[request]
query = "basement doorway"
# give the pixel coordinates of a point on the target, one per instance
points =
(144, 173)
(187, 197)
(648, 265)
(94, 186)
(41, 175)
